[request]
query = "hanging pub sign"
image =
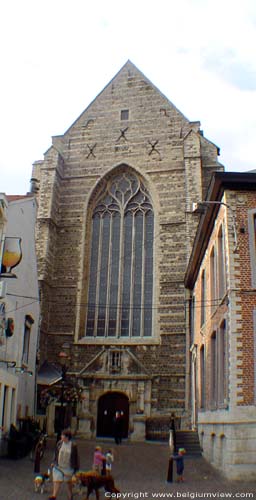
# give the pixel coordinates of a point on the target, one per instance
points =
(12, 256)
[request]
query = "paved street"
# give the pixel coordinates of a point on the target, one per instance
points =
(139, 469)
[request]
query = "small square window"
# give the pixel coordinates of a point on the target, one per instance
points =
(125, 114)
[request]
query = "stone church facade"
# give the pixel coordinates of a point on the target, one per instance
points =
(114, 235)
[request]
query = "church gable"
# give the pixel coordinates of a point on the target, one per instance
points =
(128, 83)
(128, 111)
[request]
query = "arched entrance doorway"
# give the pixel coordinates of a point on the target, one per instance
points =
(108, 404)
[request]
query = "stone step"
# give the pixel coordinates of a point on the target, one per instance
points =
(188, 440)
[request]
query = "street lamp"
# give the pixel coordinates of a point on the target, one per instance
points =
(63, 357)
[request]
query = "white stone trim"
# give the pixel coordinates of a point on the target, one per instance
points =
(252, 244)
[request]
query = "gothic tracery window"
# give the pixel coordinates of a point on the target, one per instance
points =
(121, 267)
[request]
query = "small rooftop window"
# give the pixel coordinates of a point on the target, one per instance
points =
(125, 114)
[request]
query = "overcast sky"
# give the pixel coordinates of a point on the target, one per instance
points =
(57, 55)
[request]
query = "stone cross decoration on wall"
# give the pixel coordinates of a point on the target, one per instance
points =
(91, 150)
(122, 135)
(153, 149)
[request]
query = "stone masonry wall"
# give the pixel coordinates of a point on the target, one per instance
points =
(167, 151)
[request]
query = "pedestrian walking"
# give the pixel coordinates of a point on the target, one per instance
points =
(66, 463)
(180, 464)
(118, 427)
(109, 462)
(173, 429)
(170, 463)
(98, 460)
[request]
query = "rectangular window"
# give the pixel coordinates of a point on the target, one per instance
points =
(115, 358)
(125, 114)
(192, 320)
(19, 411)
(252, 243)
(213, 279)
(213, 370)
(202, 377)
(5, 422)
(222, 375)
(26, 341)
(202, 298)
(221, 265)
(13, 405)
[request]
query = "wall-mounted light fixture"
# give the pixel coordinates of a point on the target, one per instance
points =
(21, 369)
(10, 364)
(12, 256)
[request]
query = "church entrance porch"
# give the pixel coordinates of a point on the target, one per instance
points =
(108, 404)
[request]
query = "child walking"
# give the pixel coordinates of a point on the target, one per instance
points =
(180, 464)
(98, 460)
(109, 460)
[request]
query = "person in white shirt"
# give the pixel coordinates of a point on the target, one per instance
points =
(66, 463)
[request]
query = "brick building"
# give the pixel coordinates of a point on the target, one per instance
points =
(221, 279)
(114, 235)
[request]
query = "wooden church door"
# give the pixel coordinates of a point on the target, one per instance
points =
(108, 404)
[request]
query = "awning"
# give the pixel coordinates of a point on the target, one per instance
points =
(48, 374)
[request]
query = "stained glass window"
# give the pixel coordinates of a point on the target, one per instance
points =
(120, 294)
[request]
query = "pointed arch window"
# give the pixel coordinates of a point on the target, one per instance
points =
(120, 289)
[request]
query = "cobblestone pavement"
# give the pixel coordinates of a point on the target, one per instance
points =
(139, 469)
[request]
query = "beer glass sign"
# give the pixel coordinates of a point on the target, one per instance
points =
(12, 255)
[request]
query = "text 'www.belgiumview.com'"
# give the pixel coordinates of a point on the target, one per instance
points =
(178, 495)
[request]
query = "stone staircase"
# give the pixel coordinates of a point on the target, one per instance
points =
(188, 440)
(158, 429)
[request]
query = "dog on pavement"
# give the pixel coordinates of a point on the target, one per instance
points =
(40, 481)
(94, 481)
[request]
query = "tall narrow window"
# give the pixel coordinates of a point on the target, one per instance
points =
(202, 377)
(203, 296)
(221, 265)
(213, 370)
(5, 422)
(192, 319)
(121, 267)
(213, 278)
(26, 340)
(252, 243)
(13, 400)
(115, 361)
(222, 375)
